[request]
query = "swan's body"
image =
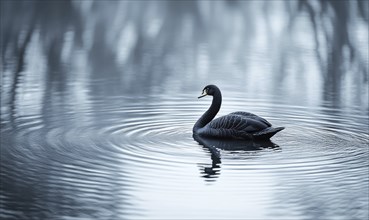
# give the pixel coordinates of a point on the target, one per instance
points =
(236, 125)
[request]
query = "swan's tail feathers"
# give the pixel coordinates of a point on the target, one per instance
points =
(267, 133)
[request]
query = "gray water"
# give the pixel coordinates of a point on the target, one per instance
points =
(98, 100)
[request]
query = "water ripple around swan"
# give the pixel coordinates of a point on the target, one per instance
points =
(131, 157)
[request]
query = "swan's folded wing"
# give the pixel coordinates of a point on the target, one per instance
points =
(237, 123)
(252, 116)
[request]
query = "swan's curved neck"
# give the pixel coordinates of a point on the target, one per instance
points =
(211, 112)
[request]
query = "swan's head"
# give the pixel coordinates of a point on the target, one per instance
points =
(209, 90)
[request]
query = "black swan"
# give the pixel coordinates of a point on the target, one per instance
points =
(236, 125)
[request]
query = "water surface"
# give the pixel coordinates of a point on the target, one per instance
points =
(98, 104)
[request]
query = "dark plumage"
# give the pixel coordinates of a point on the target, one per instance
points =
(236, 125)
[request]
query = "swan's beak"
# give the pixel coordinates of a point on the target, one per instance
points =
(203, 94)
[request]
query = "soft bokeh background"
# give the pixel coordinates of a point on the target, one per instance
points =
(98, 99)
(317, 49)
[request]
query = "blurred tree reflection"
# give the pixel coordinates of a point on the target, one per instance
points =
(339, 37)
(143, 43)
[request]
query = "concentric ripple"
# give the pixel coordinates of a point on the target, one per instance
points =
(132, 157)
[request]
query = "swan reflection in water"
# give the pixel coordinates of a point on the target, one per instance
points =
(214, 145)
